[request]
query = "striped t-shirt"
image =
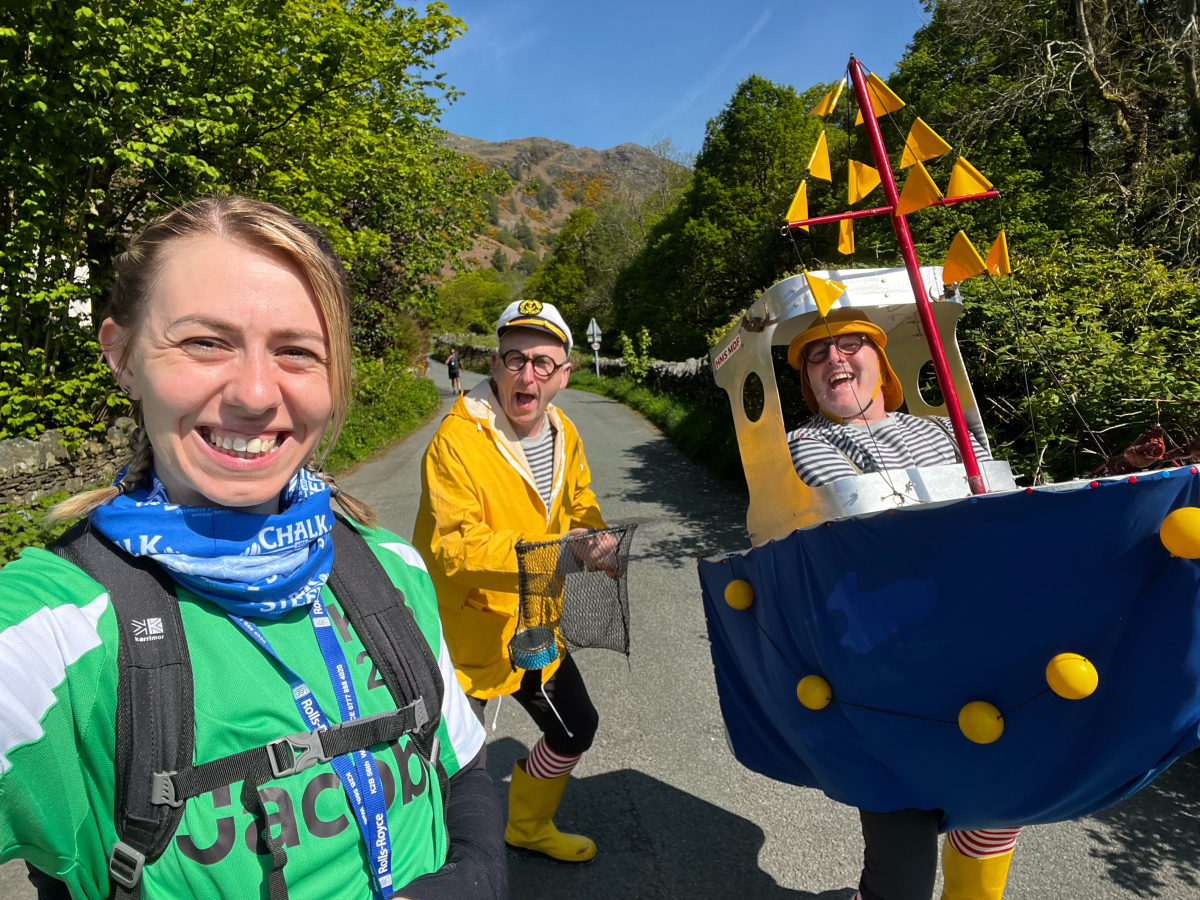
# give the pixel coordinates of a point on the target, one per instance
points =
(824, 451)
(539, 453)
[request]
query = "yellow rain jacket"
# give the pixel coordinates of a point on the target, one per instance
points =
(478, 501)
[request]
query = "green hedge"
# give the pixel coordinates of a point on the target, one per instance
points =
(389, 403)
(702, 431)
(26, 527)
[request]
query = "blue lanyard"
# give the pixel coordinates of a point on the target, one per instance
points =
(357, 770)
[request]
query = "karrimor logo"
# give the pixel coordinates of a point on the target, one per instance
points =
(147, 630)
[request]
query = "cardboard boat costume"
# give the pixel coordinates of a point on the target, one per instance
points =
(937, 637)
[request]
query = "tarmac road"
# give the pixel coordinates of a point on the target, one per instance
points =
(674, 815)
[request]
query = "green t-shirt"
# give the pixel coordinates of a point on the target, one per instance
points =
(58, 698)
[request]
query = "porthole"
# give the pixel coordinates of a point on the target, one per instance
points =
(754, 398)
(927, 384)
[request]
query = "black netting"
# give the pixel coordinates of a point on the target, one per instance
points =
(574, 596)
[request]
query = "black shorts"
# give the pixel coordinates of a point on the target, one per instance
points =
(566, 694)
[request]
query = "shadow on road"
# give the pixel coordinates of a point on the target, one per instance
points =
(656, 843)
(1155, 832)
(709, 515)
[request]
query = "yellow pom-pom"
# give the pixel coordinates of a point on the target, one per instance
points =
(981, 722)
(814, 692)
(1180, 532)
(1071, 676)
(739, 594)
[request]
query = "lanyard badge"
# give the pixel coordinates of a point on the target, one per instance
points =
(357, 771)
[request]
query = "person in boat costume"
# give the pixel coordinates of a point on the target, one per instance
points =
(507, 467)
(849, 384)
(910, 632)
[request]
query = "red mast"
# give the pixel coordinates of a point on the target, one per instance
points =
(961, 433)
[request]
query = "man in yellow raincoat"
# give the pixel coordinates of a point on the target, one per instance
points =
(506, 467)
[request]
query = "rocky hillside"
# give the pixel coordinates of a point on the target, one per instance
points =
(551, 179)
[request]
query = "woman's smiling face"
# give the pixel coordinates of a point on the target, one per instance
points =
(844, 385)
(231, 365)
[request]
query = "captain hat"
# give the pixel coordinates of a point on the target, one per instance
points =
(535, 314)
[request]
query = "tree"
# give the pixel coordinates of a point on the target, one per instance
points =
(620, 210)
(1099, 98)
(499, 260)
(508, 239)
(545, 194)
(720, 245)
(325, 106)
(472, 302)
(566, 275)
(1083, 115)
(528, 262)
(525, 236)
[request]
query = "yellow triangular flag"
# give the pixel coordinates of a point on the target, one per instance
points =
(997, 259)
(824, 291)
(829, 101)
(963, 260)
(919, 192)
(923, 143)
(846, 236)
(799, 208)
(863, 180)
(965, 180)
(882, 99)
(818, 164)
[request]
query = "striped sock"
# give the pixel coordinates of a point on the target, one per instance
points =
(981, 843)
(545, 763)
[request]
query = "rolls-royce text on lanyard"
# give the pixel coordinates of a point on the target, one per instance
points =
(357, 771)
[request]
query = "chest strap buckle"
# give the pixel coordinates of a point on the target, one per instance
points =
(296, 752)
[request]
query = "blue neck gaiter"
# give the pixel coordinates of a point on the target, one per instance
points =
(248, 564)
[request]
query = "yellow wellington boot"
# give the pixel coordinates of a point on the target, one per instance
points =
(532, 803)
(968, 878)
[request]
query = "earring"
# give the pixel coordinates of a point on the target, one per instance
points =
(128, 392)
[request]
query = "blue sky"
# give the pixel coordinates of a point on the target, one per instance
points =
(598, 74)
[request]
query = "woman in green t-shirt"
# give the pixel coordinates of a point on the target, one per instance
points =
(229, 332)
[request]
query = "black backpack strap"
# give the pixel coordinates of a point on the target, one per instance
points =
(155, 712)
(155, 726)
(389, 633)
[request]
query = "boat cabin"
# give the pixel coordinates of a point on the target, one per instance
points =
(743, 366)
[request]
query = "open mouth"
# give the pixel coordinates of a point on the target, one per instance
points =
(840, 379)
(524, 401)
(242, 446)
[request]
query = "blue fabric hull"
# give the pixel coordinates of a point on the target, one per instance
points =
(911, 615)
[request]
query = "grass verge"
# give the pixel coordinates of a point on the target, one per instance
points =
(702, 431)
(387, 406)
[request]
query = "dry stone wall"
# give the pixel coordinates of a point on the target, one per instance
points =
(30, 470)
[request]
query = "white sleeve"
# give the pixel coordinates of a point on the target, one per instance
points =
(465, 735)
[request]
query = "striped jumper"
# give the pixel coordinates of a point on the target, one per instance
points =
(539, 453)
(824, 451)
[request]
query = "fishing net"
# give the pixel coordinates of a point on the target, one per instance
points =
(574, 596)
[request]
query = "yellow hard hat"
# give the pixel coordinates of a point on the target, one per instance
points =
(846, 321)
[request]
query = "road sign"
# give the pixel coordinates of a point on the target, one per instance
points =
(595, 345)
(593, 331)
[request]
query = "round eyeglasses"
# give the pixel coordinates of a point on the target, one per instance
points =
(847, 344)
(543, 366)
